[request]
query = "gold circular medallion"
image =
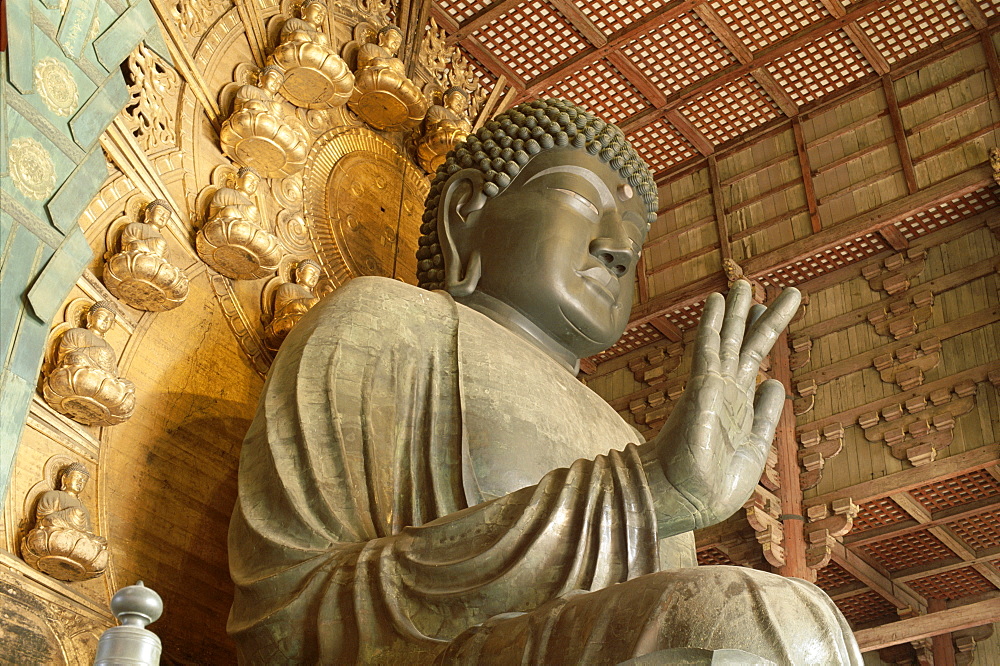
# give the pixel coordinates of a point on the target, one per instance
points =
(365, 199)
(31, 168)
(55, 85)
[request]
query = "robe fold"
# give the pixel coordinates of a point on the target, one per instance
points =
(371, 526)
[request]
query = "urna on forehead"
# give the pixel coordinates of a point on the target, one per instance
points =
(504, 146)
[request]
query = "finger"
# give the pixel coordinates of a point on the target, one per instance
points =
(767, 406)
(755, 312)
(734, 325)
(706, 347)
(765, 331)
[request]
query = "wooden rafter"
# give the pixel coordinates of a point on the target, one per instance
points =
(579, 20)
(897, 129)
(807, 178)
(720, 210)
(876, 578)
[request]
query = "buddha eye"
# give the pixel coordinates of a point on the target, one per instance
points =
(580, 198)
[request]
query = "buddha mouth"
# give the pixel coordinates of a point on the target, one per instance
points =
(601, 279)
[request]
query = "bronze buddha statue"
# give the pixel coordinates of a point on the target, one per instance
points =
(62, 544)
(427, 481)
(85, 384)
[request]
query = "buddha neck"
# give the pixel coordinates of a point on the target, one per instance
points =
(515, 322)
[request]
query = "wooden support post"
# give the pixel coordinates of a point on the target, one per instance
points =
(807, 181)
(897, 129)
(790, 492)
(720, 209)
(944, 650)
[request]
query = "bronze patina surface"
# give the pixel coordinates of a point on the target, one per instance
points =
(426, 480)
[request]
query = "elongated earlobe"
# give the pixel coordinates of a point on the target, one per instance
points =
(461, 199)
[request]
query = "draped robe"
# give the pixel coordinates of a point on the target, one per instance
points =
(419, 483)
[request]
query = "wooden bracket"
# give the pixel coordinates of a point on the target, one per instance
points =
(655, 367)
(826, 523)
(901, 318)
(894, 274)
(907, 366)
(763, 510)
(816, 447)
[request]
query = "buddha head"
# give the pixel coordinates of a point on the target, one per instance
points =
(390, 38)
(101, 317)
(538, 220)
(456, 100)
(74, 478)
(307, 273)
(157, 213)
(314, 11)
(271, 79)
(247, 180)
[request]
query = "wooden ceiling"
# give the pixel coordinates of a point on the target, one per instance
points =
(812, 142)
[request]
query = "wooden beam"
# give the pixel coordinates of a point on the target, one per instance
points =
(725, 34)
(806, 170)
(867, 47)
(939, 567)
(667, 328)
(894, 237)
(636, 77)
(877, 580)
(580, 21)
(990, 50)
(969, 461)
(587, 366)
(690, 132)
(897, 129)
(973, 13)
(780, 96)
(484, 16)
(642, 280)
(974, 509)
(925, 626)
(492, 63)
(720, 210)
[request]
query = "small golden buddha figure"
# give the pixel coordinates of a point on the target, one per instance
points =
(62, 544)
(443, 127)
(139, 273)
(995, 163)
(85, 384)
(233, 241)
(258, 133)
(383, 95)
(291, 301)
(315, 76)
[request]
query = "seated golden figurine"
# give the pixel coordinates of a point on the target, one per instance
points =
(61, 543)
(258, 134)
(232, 241)
(85, 385)
(315, 76)
(443, 127)
(140, 274)
(383, 96)
(291, 301)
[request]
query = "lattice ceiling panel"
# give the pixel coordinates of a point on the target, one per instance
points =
(990, 8)
(687, 316)
(878, 513)
(826, 261)
(483, 74)
(461, 10)
(948, 213)
(661, 145)
(980, 532)
(908, 550)
(866, 607)
(760, 23)
(531, 37)
(633, 338)
(602, 89)
(613, 15)
(957, 491)
(712, 113)
(833, 576)
(954, 584)
(820, 67)
(681, 53)
(713, 556)
(910, 26)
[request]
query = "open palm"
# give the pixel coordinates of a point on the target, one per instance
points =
(715, 443)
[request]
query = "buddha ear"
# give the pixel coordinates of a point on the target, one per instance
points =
(461, 200)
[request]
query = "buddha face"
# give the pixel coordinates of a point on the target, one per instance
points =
(271, 80)
(455, 101)
(390, 40)
(248, 182)
(307, 274)
(314, 12)
(157, 215)
(560, 246)
(74, 481)
(100, 320)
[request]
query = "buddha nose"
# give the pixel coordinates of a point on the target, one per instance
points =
(616, 254)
